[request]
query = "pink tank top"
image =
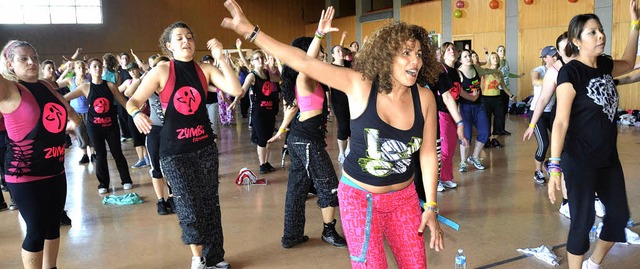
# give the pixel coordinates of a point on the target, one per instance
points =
(311, 102)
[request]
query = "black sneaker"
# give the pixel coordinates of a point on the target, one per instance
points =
(162, 207)
(93, 158)
(64, 219)
(85, 159)
(290, 244)
(488, 145)
(171, 205)
(331, 236)
(269, 167)
(264, 169)
(3, 205)
(4, 188)
(496, 144)
(539, 178)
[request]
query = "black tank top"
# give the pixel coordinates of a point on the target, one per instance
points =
(264, 94)
(468, 84)
(186, 124)
(41, 152)
(102, 108)
(381, 154)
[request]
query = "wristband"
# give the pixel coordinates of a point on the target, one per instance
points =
(635, 25)
(426, 207)
(251, 37)
(319, 35)
(282, 130)
(458, 123)
(431, 204)
(552, 159)
(555, 173)
(133, 111)
(531, 125)
(135, 114)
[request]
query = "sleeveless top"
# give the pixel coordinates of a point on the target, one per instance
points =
(36, 135)
(110, 76)
(310, 102)
(186, 124)
(264, 93)
(102, 109)
(314, 128)
(468, 84)
(80, 104)
(380, 153)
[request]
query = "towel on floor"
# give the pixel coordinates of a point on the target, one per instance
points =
(125, 199)
(543, 253)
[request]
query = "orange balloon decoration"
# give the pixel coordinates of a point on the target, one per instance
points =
(457, 13)
(573, 1)
(494, 4)
(528, 2)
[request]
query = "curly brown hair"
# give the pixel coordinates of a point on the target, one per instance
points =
(375, 58)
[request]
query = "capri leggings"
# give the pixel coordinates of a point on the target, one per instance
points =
(542, 129)
(153, 148)
(40, 203)
(368, 218)
(264, 123)
(475, 115)
(340, 104)
(138, 137)
(583, 181)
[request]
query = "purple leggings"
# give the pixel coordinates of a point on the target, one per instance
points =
(394, 216)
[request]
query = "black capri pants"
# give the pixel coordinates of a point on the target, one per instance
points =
(153, 148)
(493, 107)
(340, 104)
(40, 203)
(583, 181)
(541, 131)
(264, 122)
(138, 137)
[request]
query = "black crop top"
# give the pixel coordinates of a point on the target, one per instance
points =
(380, 153)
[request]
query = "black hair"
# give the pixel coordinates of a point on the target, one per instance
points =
(575, 29)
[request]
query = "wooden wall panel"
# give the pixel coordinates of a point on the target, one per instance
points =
(138, 25)
(546, 13)
(427, 15)
(531, 42)
(477, 17)
(344, 24)
(368, 28)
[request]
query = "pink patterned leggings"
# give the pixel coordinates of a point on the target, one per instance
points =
(368, 218)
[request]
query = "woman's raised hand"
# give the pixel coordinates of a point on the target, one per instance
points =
(216, 48)
(238, 21)
(324, 25)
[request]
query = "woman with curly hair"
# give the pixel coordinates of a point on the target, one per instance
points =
(376, 192)
(310, 162)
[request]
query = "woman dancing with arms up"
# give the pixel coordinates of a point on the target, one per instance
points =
(376, 193)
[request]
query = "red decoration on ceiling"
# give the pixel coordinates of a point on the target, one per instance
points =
(494, 4)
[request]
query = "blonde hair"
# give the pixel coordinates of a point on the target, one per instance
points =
(8, 55)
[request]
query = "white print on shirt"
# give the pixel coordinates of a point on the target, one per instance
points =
(387, 156)
(603, 92)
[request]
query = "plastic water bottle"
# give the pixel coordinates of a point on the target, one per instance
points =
(592, 234)
(461, 260)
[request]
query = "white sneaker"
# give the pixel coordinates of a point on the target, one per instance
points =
(564, 210)
(102, 190)
(449, 184)
(127, 186)
(590, 265)
(600, 210)
(476, 162)
(220, 265)
(198, 263)
(341, 158)
(440, 187)
(463, 167)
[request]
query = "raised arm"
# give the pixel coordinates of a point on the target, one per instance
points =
(628, 60)
(243, 60)
(144, 66)
(565, 95)
(332, 76)
(227, 80)
(324, 26)
(344, 36)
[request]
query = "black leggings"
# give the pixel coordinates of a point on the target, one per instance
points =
(543, 127)
(153, 148)
(138, 137)
(98, 136)
(263, 124)
(493, 107)
(40, 203)
(583, 182)
(340, 104)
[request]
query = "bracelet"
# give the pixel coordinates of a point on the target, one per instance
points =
(282, 130)
(426, 207)
(554, 159)
(635, 25)
(531, 125)
(135, 114)
(431, 203)
(554, 167)
(319, 35)
(133, 111)
(458, 123)
(556, 173)
(251, 37)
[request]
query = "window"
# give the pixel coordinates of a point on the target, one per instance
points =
(51, 12)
